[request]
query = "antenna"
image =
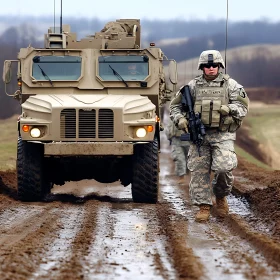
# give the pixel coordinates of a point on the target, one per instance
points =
(61, 17)
(185, 69)
(54, 16)
(226, 40)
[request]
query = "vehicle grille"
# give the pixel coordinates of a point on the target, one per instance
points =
(68, 123)
(106, 123)
(87, 123)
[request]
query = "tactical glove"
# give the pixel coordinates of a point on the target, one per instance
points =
(183, 124)
(224, 110)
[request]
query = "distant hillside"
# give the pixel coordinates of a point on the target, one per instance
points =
(239, 34)
(257, 63)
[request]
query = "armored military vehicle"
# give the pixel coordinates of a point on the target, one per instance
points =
(85, 115)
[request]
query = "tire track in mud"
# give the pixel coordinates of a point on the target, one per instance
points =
(264, 201)
(185, 262)
(157, 236)
(51, 242)
(128, 245)
(259, 228)
(75, 264)
(18, 222)
(269, 248)
(61, 247)
(187, 265)
(20, 259)
(247, 262)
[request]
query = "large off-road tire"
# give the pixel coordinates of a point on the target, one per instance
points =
(33, 183)
(145, 173)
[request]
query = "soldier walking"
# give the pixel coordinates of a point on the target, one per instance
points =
(222, 104)
(179, 150)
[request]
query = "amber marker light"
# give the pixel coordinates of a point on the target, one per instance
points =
(157, 119)
(19, 83)
(25, 128)
(150, 128)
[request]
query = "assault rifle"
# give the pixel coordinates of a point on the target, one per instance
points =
(195, 126)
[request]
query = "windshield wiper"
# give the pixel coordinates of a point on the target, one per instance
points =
(45, 75)
(118, 75)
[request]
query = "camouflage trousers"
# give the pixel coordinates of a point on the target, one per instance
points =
(218, 157)
(179, 154)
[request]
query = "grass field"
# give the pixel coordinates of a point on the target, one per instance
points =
(263, 120)
(264, 123)
(242, 153)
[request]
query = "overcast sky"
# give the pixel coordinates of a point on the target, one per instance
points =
(238, 10)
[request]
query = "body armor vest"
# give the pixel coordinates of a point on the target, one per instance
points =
(209, 100)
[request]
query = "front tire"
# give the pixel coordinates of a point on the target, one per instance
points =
(145, 179)
(33, 183)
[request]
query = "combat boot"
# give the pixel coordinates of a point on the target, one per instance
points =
(222, 207)
(203, 213)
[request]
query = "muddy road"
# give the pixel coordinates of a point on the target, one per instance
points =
(87, 230)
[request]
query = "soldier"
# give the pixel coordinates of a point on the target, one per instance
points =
(222, 104)
(179, 150)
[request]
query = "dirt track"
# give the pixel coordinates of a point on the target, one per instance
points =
(95, 232)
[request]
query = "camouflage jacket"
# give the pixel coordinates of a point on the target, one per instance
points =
(238, 101)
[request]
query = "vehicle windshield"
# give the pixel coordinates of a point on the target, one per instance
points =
(54, 68)
(130, 68)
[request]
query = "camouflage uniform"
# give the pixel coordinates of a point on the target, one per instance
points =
(217, 151)
(179, 149)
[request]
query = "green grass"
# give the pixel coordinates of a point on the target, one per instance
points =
(242, 153)
(8, 143)
(264, 124)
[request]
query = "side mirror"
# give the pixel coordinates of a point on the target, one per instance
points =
(173, 75)
(7, 71)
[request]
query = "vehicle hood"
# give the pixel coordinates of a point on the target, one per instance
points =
(129, 103)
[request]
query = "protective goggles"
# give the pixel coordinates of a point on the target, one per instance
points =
(209, 65)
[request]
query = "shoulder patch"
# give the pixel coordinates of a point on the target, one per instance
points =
(243, 97)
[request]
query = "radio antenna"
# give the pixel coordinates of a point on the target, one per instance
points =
(226, 40)
(61, 17)
(54, 16)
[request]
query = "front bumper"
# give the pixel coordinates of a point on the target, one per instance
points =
(88, 148)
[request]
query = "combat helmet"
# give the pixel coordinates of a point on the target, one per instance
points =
(210, 56)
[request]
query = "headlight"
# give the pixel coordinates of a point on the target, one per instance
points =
(141, 132)
(35, 132)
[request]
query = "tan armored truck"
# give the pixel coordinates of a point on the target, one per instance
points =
(90, 110)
